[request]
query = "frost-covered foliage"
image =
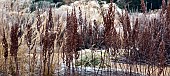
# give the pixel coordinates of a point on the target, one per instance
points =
(40, 42)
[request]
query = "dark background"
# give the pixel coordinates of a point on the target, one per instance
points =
(131, 4)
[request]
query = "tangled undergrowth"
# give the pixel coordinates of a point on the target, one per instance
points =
(37, 45)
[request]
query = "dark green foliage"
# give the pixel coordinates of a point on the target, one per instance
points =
(130, 4)
(43, 0)
(151, 4)
(32, 7)
(53, 1)
(135, 4)
(42, 3)
(108, 1)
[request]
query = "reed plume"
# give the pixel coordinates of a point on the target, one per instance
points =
(14, 45)
(71, 39)
(143, 6)
(163, 6)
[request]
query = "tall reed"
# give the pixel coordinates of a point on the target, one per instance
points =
(14, 45)
(5, 46)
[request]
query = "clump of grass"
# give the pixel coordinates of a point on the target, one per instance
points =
(71, 42)
(48, 38)
(30, 39)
